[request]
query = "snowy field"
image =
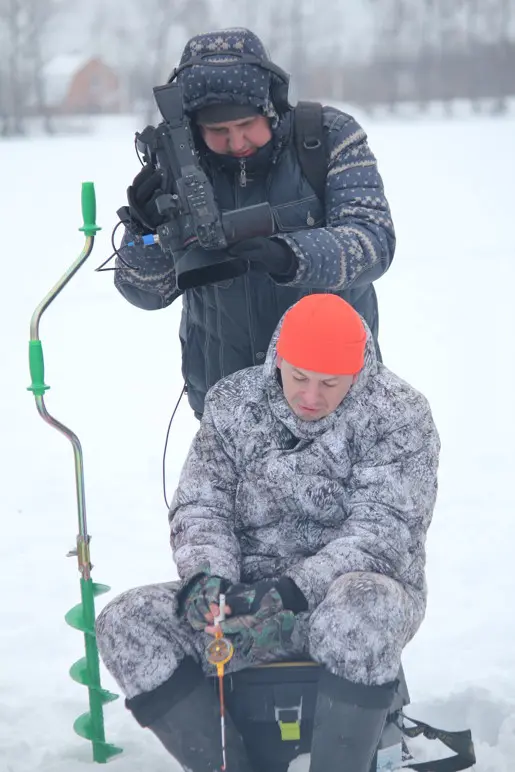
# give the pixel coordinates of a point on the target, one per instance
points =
(447, 318)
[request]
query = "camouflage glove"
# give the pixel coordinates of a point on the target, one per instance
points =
(259, 635)
(196, 598)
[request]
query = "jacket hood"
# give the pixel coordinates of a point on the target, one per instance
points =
(220, 77)
(280, 407)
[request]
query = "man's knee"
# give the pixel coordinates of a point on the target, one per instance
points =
(115, 616)
(361, 627)
(363, 595)
(135, 610)
(141, 639)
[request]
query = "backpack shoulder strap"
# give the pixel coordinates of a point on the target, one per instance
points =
(308, 133)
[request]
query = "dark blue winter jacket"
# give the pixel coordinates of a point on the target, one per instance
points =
(342, 246)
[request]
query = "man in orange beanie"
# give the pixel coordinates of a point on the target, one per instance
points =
(305, 498)
(320, 351)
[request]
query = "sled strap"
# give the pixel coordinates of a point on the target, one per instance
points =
(310, 145)
(459, 742)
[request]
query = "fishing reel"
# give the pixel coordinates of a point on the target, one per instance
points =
(219, 651)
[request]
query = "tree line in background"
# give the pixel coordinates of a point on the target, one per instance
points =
(436, 50)
(368, 52)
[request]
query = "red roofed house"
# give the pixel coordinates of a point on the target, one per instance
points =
(74, 84)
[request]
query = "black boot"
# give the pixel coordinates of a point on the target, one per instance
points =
(349, 721)
(184, 714)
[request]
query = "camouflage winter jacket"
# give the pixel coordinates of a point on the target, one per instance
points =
(264, 494)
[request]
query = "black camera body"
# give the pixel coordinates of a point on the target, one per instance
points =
(194, 230)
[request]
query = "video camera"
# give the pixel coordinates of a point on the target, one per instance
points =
(194, 230)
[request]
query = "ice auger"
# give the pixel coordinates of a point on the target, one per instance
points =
(86, 670)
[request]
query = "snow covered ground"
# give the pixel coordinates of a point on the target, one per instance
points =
(447, 317)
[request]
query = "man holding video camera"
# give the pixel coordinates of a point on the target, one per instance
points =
(250, 149)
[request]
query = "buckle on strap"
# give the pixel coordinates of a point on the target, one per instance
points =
(289, 721)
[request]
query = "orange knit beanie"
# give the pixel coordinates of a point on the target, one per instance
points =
(324, 334)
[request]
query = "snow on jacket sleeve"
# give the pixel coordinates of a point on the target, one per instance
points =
(147, 280)
(392, 497)
(358, 242)
(202, 512)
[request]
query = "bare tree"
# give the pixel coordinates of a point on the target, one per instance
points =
(24, 25)
(162, 25)
(251, 13)
(40, 14)
(502, 13)
(13, 23)
(447, 36)
(391, 18)
(301, 45)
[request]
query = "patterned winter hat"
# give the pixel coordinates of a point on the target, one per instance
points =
(324, 334)
(218, 76)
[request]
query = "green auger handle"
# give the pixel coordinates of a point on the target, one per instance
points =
(89, 209)
(37, 369)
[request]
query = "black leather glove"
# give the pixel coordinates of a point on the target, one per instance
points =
(141, 195)
(267, 255)
(246, 599)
